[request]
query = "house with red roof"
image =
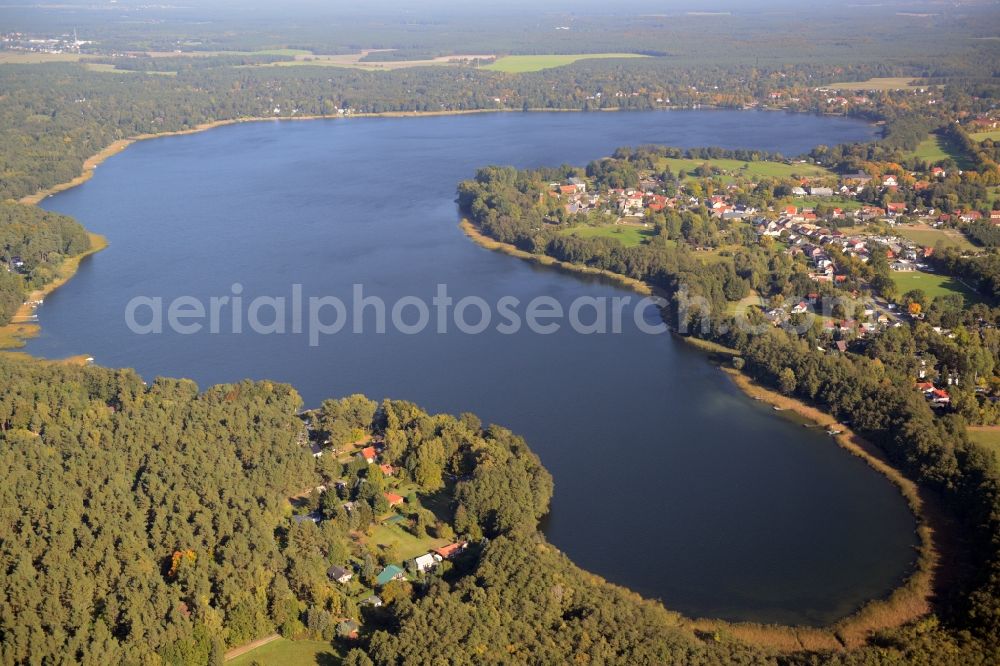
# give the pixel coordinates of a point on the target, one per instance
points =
(452, 549)
(394, 499)
(369, 454)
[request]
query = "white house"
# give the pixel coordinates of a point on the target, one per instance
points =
(426, 562)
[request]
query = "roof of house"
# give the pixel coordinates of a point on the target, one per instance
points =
(388, 574)
(336, 572)
(394, 498)
(369, 453)
(450, 549)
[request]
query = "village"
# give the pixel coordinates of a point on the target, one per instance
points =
(824, 221)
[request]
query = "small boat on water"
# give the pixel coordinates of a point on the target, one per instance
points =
(778, 409)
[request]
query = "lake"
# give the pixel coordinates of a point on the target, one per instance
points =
(668, 479)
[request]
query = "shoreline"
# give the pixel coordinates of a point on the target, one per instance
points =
(95, 160)
(907, 601)
(484, 241)
(913, 592)
(22, 325)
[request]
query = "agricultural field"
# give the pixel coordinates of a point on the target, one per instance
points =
(739, 167)
(627, 234)
(519, 64)
(29, 58)
(886, 83)
(283, 652)
(933, 285)
(931, 237)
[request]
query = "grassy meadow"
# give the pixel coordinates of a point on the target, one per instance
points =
(935, 149)
(627, 235)
(283, 652)
(739, 167)
(933, 285)
(885, 83)
(519, 64)
(931, 237)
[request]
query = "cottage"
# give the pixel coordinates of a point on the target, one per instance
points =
(339, 574)
(389, 574)
(452, 549)
(374, 601)
(369, 454)
(394, 499)
(425, 562)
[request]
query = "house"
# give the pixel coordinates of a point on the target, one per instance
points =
(890, 181)
(389, 574)
(938, 172)
(940, 397)
(313, 517)
(394, 499)
(348, 630)
(374, 601)
(339, 574)
(316, 449)
(388, 470)
(798, 191)
(369, 454)
(578, 185)
(567, 189)
(426, 562)
(821, 191)
(452, 549)
(895, 208)
(924, 387)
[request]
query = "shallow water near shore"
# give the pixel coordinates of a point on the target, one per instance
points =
(668, 479)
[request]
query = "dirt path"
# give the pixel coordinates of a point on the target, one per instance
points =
(243, 649)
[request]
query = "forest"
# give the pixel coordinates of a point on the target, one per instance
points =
(118, 552)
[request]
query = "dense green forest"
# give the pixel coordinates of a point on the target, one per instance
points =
(33, 243)
(151, 525)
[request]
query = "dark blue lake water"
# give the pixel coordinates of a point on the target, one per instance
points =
(668, 480)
